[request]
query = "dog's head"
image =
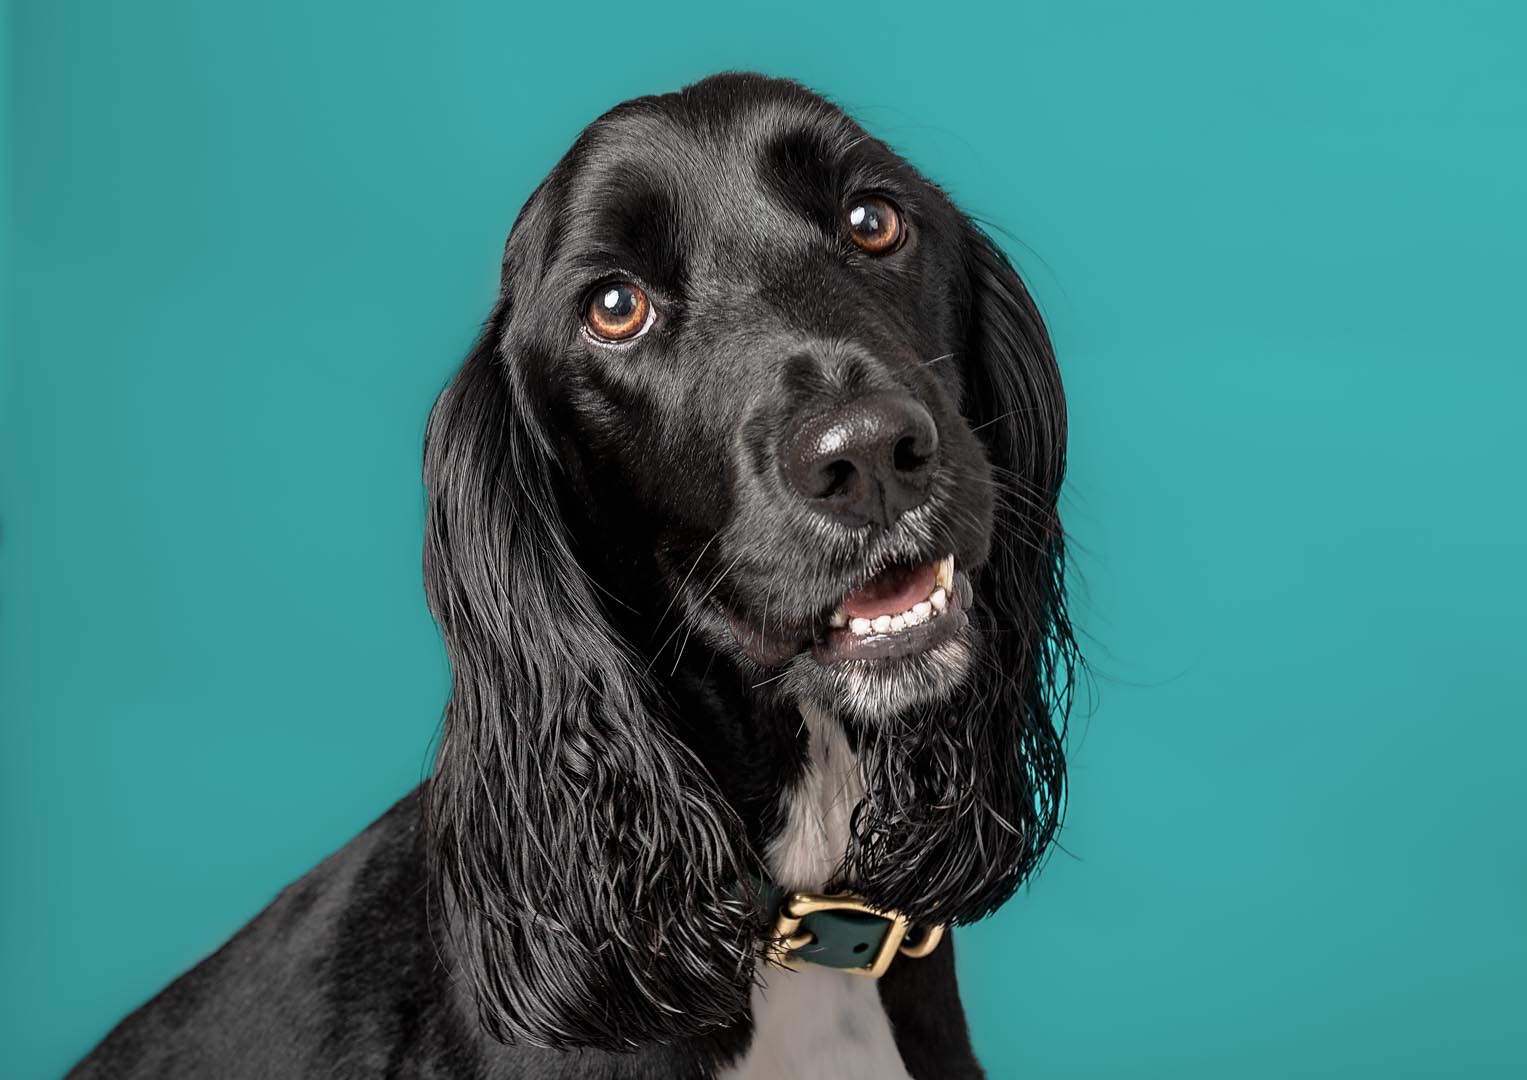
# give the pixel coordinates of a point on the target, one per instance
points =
(754, 390)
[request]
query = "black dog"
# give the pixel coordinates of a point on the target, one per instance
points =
(742, 536)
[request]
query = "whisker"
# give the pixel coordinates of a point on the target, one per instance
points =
(680, 590)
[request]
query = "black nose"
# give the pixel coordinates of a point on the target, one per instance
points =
(869, 461)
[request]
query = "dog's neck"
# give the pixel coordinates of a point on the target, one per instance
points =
(815, 1019)
(817, 810)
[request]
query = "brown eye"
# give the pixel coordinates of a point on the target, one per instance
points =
(874, 224)
(618, 311)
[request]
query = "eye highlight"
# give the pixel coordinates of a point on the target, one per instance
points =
(617, 311)
(874, 224)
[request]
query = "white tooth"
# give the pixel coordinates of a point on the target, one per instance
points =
(840, 618)
(898, 624)
(913, 618)
(939, 599)
(882, 624)
(860, 626)
(943, 572)
(922, 610)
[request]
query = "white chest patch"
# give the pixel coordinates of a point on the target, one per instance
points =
(818, 1024)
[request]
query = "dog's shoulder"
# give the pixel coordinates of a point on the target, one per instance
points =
(339, 972)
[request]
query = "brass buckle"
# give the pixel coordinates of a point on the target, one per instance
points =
(788, 936)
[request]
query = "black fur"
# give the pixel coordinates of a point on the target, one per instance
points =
(629, 595)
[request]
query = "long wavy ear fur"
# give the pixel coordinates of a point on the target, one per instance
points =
(1019, 410)
(965, 798)
(586, 867)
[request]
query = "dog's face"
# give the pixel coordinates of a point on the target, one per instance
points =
(750, 321)
(754, 388)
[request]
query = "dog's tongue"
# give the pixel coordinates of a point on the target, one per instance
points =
(890, 592)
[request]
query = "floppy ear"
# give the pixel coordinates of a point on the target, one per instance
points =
(585, 862)
(1018, 409)
(965, 796)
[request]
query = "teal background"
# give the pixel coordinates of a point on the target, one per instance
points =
(1281, 250)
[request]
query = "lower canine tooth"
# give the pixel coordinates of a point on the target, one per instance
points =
(882, 624)
(860, 626)
(939, 599)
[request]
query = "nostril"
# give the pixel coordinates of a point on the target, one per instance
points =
(910, 454)
(835, 476)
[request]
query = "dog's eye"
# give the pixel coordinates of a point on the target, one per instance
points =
(874, 224)
(618, 311)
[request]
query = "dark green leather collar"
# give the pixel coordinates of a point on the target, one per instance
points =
(839, 930)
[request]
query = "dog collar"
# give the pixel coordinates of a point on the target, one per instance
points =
(840, 930)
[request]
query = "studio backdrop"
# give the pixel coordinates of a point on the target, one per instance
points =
(1280, 247)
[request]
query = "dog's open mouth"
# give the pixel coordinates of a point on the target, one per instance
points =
(900, 611)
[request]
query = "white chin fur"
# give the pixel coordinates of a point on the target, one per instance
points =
(875, 691)
(871, 693)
